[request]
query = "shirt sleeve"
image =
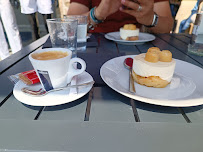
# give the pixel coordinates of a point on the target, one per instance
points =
(84, 2)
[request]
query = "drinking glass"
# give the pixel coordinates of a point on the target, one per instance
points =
(196, 44)
(81, 31)
(63, 34)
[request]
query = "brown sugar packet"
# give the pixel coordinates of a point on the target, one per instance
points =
(29, 77)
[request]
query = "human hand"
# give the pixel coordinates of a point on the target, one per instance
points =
(142, 10)
(106, 8)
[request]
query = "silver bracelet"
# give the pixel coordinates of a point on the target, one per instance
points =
(154, 22)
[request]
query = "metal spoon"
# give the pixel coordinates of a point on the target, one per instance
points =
(128, 62)
(42, 92)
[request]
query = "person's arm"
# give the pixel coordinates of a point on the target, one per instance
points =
(105, 8)
(80, 9)
(165, 21)
(77, 9)
(146, 14)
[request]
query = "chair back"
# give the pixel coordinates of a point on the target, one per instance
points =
(184, 12)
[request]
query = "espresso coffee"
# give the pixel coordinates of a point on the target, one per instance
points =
(50, 55)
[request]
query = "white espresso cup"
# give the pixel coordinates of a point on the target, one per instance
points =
(55, 72)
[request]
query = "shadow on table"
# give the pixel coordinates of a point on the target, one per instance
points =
(110, 95)
(192, 109)
(60, 107)
(67, 105)
(165, 109)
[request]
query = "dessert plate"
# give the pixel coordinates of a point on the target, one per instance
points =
(54, 98)
(184, 90)
(143, 37)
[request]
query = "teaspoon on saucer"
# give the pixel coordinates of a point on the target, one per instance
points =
(42, 92)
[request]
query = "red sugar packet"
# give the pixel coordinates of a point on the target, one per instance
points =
(29, 77)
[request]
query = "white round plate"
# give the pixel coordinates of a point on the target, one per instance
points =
(184, 90)
(53, 98)
(143, 37)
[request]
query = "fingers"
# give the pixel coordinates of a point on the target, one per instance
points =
(139, 8)
(131, 8)
(134, 5)
(142, 11)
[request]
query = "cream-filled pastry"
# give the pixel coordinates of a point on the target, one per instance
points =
(129, 32)
(154, 68)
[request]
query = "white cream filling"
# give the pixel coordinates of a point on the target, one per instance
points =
(144, 68)
(128, 33)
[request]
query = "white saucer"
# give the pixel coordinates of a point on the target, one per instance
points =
(53, 98)
(143, 37)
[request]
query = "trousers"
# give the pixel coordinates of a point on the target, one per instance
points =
(11, 28)
(30, 7)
